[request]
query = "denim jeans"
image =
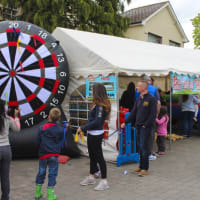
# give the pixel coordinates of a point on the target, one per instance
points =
(5, 159)
(52, 164)
(144, 137)
(188, 122)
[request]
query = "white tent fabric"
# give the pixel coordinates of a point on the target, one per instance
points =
(92, 53)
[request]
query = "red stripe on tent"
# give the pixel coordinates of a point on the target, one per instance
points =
(31, 97)
(12, 43)
(41, 83)
(55, 86)
(41, 63)
(42, 107)
(38, 38)
(54, 60)
(29, 48)
(11, 30)
(13, 103)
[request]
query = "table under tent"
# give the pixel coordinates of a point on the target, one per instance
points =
(97, 54)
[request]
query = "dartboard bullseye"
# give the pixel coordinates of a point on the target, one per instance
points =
(33, 70)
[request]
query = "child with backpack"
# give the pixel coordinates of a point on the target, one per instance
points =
(162, 122)
(49, 140)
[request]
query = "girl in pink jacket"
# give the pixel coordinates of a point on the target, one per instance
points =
(162, 122)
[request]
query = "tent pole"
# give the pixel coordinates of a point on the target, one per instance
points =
(117, 97)
(170, 106)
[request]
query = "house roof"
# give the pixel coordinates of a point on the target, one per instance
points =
(137, 15)
(143, 14)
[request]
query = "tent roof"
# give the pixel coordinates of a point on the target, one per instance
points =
(92, 53)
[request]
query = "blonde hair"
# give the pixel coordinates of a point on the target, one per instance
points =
(55, 114)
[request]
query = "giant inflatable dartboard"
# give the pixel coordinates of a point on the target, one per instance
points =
(33, 70)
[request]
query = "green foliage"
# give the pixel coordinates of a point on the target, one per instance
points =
(101, 16)
(196, 32)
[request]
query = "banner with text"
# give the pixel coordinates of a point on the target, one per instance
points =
(185, 84)
(110, 83)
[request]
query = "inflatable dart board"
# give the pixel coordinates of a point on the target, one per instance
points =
(33, 71)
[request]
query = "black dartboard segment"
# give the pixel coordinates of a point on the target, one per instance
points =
(34, 71)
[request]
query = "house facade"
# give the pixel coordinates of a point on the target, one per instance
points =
(156, 23)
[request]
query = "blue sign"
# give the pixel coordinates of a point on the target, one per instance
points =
(110, 83)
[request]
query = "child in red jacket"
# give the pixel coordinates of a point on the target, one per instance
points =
(49, 141)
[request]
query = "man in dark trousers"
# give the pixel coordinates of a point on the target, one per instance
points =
(143, 117)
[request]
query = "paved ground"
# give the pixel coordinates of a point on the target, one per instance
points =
(176, 176)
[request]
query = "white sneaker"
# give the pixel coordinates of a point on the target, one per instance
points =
(151, 157)
(88, 181)
(97, 174)
(102, 186)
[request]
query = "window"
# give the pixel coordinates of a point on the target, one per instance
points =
(154, 38)
(175, 44)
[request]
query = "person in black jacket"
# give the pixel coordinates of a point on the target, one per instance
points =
(95, 129)
(128, 97)
(49, 140)
(143, 116)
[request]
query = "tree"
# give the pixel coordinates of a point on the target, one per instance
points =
(101, 16)
(45, 13)
(196, 32)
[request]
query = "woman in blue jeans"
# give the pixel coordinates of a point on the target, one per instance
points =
(188, 109)
(6, 123)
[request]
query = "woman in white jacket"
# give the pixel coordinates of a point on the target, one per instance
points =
(6, 123)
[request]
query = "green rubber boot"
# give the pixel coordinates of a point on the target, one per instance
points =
(50, 194)
(38, 192)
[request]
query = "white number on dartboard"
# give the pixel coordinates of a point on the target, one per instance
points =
(29, 121)
(54, 102)
(43, 34)
(61, 89)
(53, 45)
(63, 74)
(13, 25)
(61, 58)
(29, 27)
(43, 114)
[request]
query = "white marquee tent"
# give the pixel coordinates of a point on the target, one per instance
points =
(96, 53)
(92, 53)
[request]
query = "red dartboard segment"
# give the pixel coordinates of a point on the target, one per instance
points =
(13, 103)
(12, 43)
(11, 30)
(55, 86)
(31, 97)
(41, 82)
(42, 107)
(38, 38)
(41, 63)
(54, 60)
(29, 48)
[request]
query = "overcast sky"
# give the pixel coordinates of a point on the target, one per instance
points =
(184, 9)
